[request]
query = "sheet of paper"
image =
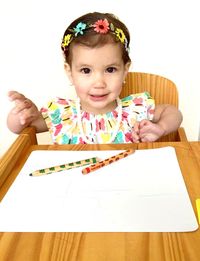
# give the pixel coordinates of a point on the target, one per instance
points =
(143, 192)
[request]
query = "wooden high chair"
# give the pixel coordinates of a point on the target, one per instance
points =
(163, 90)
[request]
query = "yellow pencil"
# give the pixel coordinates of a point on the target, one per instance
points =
(107, 161)
(198, 208)
(62, 167)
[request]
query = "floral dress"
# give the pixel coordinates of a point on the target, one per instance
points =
(61, 118)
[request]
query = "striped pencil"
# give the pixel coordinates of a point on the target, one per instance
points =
(62, 167)
(107, 161)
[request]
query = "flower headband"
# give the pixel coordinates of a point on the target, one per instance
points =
(100, 26)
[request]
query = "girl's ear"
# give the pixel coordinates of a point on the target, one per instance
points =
(127, 66)
(68, 71)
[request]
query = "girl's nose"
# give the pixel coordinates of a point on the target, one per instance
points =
(99, 81)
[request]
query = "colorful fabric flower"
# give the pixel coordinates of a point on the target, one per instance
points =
(126, 45)
(120, 35)
(101, 26)
(79, 29)
(67, 40)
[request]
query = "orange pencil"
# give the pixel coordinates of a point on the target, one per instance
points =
(107, 161)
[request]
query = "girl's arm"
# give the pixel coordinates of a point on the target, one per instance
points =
(168, 117)
(25, 113)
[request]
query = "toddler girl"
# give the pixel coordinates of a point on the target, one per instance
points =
(96, 53)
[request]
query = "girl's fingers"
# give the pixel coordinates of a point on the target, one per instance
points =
(135, 137)
(136, 128)
(13, 95)
(26, 117)
(21, 105)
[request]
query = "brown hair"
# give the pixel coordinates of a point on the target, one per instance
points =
(93, 39)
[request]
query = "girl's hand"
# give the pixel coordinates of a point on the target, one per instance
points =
(25, 110)
(149, 131)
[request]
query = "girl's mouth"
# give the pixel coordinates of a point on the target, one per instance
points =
(98, 97)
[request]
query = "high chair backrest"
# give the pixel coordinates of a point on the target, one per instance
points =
(162, 90)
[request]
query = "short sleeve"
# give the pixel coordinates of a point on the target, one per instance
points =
(140, 106)
(59, 116)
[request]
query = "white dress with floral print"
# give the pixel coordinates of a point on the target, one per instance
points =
(61, 119)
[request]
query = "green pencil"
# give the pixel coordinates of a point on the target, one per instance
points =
(62, 167)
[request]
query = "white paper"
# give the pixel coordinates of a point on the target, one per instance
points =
(144, 192)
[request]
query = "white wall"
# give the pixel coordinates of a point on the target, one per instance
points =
(164, 41)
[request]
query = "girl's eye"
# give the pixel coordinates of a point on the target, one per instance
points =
(85, 70)
(111, 69)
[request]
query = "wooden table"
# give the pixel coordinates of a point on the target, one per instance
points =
(100, 246)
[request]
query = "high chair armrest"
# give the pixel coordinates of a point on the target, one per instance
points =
(181, 134)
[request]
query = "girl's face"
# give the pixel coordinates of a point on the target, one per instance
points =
(97, 74)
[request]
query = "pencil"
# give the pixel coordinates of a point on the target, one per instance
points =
(107, 161)
(62, 167)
